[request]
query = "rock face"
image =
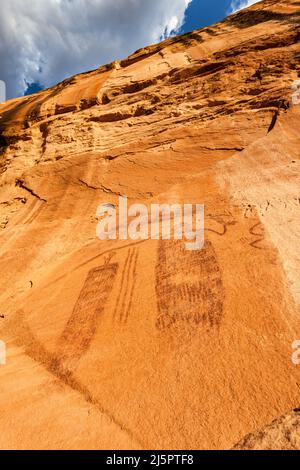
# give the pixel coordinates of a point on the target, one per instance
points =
(122, 344)
(283, 433)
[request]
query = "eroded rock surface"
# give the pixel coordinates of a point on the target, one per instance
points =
(95, 357)
(282, 434)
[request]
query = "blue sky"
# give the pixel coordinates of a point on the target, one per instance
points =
(42, 42)
(202, 13)
(199, 13)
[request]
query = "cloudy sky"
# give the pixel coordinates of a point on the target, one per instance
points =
(44, 41)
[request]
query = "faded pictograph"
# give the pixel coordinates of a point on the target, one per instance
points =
(128, 280)
(189, 286)
(88, 310)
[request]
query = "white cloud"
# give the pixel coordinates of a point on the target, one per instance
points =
(47, 40)
(237, 5)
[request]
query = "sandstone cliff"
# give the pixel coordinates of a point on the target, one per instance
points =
(93, 360)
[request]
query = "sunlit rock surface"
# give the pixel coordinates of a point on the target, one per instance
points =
(130, 345)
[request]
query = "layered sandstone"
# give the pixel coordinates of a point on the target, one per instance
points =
(282, 434)
(122, 344)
